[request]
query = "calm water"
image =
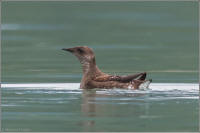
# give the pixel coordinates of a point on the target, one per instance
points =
(55, 107)
(160, 38)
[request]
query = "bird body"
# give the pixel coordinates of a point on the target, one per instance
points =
(93, 77)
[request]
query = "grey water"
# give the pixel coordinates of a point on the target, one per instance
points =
(160, 38)
(67, 109)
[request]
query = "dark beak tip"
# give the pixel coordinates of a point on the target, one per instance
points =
(67, 49)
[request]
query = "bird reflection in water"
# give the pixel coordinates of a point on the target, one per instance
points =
(110, 105)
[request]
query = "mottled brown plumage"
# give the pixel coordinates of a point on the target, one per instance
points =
(94, 78)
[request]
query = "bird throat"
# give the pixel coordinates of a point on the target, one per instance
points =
(89, 68)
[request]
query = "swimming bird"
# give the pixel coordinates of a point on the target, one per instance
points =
(93, 77)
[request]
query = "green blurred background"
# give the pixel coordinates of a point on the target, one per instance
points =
(160, 38)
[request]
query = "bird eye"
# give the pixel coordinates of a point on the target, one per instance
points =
(80, 50)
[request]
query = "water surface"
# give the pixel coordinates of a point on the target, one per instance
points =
(64, 107)
(160, 38)
(127, 37)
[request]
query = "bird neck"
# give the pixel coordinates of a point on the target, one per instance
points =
(90, 68)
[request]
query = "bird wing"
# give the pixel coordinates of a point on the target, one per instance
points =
(108, 84)
(123, 79)
(128, 78)
(104, 78)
